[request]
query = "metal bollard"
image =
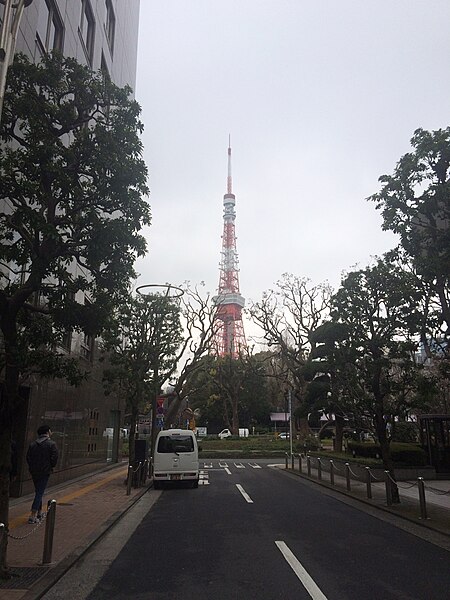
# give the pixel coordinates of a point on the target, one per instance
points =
(286, 460)
(423, 504)
(368, 482)
(137, 481)
(308, 464)
(347, 476)
(388, 488)
(49, 532)
(299, 463)
(129, 479)
(2, 531)
(292, 461)
(331, 472)
(319, 469)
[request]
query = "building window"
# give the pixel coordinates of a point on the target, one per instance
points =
(50, 30)
(66, 340)
(87, 30)
(87, 346)
(110, 25)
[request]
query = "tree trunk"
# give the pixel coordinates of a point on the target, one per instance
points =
(133, 423)
(5, 454)
(8, 399)
(235, 416)
(380, 426)
(339, 436)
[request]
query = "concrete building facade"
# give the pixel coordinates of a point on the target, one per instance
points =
(86, 424)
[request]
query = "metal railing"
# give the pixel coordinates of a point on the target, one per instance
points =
(49, 518)
(366, 477)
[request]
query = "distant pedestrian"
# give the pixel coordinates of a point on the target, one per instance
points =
(42, 457)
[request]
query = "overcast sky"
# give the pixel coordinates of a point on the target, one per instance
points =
(320, 97)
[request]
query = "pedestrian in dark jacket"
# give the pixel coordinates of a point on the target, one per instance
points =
(42, 456)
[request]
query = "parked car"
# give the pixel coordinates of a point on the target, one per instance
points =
(283, 435)
(226, 433)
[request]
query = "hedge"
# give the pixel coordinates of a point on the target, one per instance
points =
(403, 454)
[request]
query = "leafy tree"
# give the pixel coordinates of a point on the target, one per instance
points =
(328, 372)
(415, 203)
(72, 190)
(230, 392)
(378, 308)
(142, 351)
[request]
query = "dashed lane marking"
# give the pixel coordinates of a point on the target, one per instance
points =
(255, 466)
(308, 582)
(244, 493)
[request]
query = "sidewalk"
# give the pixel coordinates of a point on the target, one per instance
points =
(85, 509)
(437, 495)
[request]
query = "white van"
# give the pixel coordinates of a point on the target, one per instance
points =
(176, 457)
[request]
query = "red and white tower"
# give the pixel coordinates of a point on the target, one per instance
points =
(229, 337)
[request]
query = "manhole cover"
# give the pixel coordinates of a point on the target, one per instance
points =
(23, 578)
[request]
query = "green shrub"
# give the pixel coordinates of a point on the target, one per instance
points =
(307, 443)
(403, 431)
(402, 454)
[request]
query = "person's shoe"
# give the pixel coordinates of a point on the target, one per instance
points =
(40, 516)
(32, 520)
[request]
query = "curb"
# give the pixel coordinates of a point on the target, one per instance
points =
(365, 501)
(47, 581)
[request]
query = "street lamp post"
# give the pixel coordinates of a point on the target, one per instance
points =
(12, 14)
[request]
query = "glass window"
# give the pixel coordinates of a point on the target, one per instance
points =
(110, 25)
(180, 443)
(50, 30)
(87, 30)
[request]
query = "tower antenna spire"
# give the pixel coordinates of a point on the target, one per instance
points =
(229, 337)
(229, 181)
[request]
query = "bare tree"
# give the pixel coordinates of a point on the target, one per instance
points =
(288, 315)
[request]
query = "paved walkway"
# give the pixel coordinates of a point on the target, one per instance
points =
(85, 509)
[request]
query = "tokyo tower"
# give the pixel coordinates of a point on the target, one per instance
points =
(229, 336)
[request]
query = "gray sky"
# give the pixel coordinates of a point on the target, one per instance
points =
(321, 97)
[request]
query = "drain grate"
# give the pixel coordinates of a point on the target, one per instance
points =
(22, 578)
(65, 504)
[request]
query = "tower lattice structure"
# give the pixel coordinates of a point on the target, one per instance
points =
(229, 336)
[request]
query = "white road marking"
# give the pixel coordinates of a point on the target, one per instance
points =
(227, 470)
(210, 466)
(239, 466)
(244, 493)
(308, 583)
(203, 478)
(255, 466)
(223, 464)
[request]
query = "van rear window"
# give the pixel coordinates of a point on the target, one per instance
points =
(180, 443)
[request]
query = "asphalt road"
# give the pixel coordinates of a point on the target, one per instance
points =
(251, 531)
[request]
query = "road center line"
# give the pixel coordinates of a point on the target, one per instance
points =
(244, 493)
(308, 583)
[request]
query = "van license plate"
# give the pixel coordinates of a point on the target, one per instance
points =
(175, 476)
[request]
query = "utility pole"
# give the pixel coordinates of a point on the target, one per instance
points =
(12, 15)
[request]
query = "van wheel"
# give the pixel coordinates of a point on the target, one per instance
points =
(156, 485)
(195, 484)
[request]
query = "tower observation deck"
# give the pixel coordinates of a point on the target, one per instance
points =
(229, 337)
